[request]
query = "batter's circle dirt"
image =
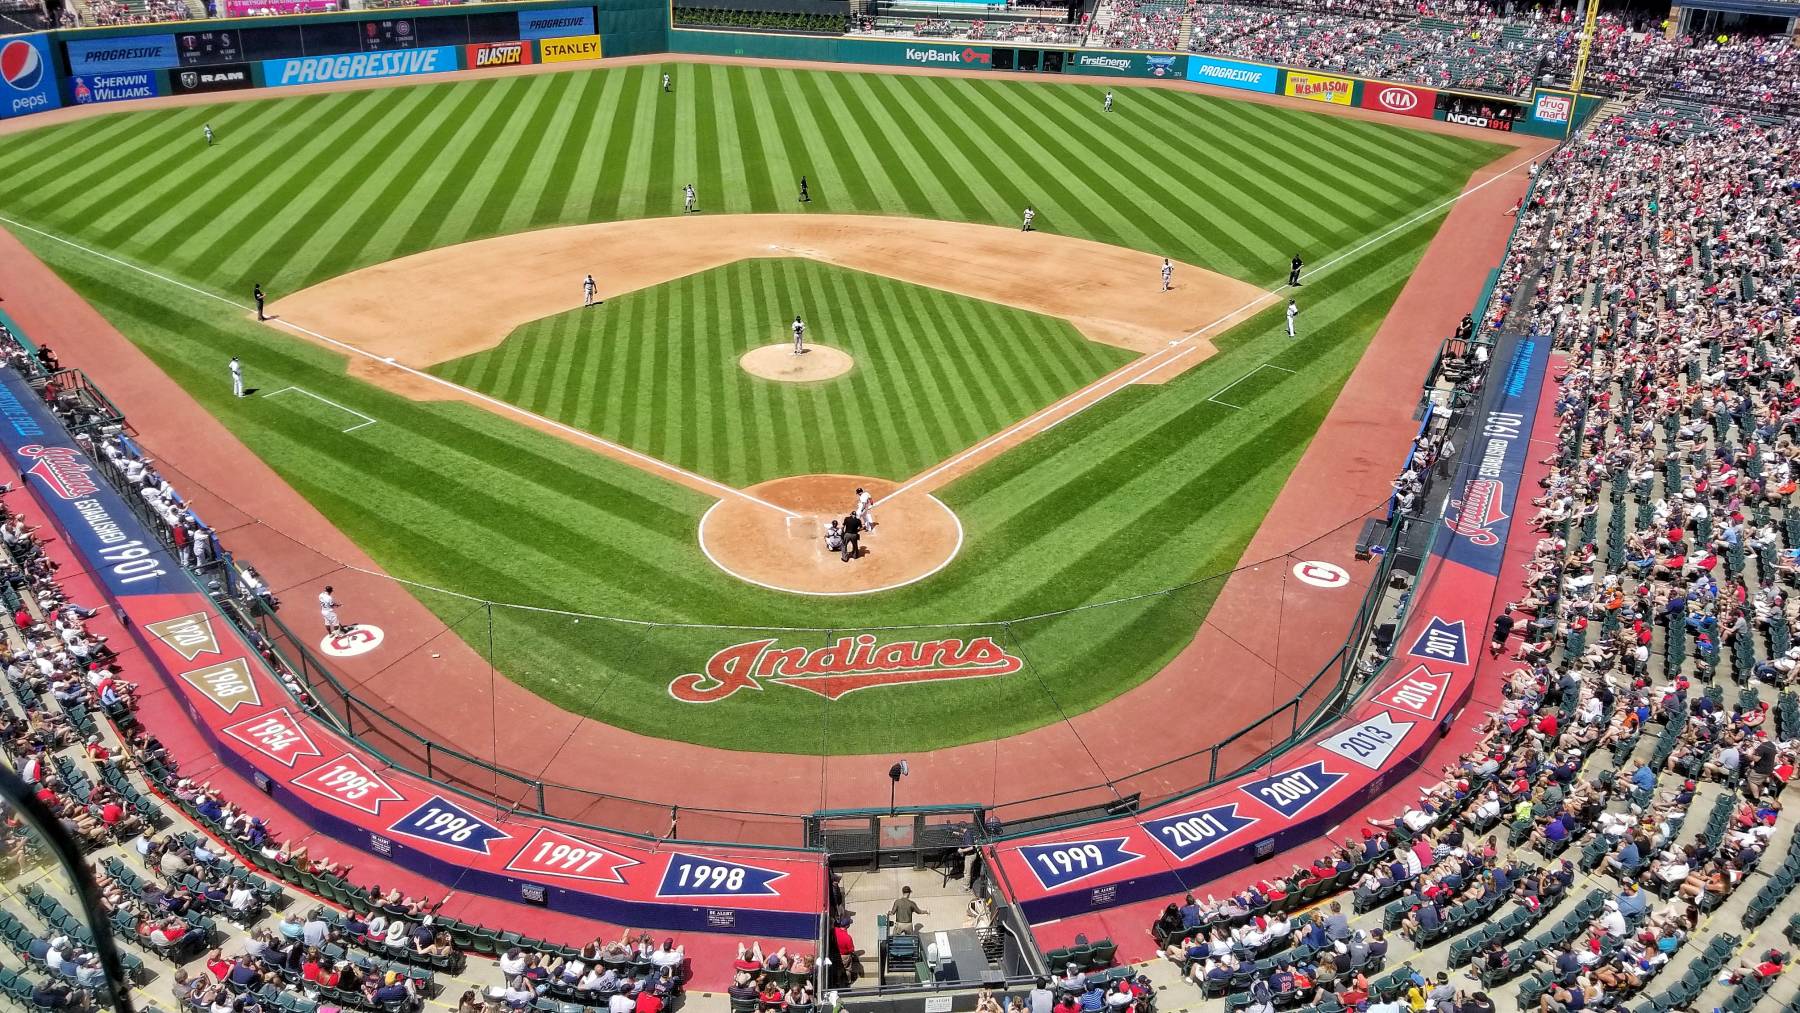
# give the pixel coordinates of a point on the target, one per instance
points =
(778, 362)
(914, 537)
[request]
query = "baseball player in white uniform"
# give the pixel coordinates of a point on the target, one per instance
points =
(1168, 273)
(587, 290)
(328, 611)
(687, 198)
(206, 129)
(1292, 310)
(799, 337)
(1107, 105)
(865, 508)
(1029, 215)
(237, 377)
(665, 82)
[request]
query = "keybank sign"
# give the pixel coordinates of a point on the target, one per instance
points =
(360, 66)
(914, 54)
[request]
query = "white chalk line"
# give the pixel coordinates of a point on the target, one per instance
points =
(1214, 396)
(367, 421)
(345, 346)
(1137, 369)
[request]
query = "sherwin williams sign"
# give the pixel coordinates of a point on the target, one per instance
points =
(359, 66)
(113, 87)
(27, 85)
(557, 24)
(1320, 87)
(1233, 74)
(580, 47)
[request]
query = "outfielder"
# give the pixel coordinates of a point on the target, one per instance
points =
(665, 84)
(1292, 310)
(1168, 273)
(206, 129)
(237, 378)
(587, 290)
(1106, 107)
(1029, 215)
(687, 198)
(865, 508)
(799, 336)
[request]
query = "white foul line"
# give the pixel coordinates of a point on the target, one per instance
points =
(367, 421)
(1139, 368)
(421, 374)
(1214, 396)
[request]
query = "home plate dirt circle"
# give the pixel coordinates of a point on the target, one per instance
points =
(778, 362)
(915, 536)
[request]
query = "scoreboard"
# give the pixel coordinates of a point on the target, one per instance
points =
(201, 48)
(382, 36)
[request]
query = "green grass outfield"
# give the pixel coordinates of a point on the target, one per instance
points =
(935, 372)
(1156, 487)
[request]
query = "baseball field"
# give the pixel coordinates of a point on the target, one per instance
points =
(359, 211)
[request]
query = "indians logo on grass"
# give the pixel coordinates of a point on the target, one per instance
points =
(63, 469)
(1479, 511)
(851, 664)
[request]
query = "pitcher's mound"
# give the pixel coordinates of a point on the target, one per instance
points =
(915, 536)
(778, 362)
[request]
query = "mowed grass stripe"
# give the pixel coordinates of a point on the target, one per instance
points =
(527, 139)
(937, 180)
(1149, 205)
(426, 210)
(372, 204)
(818, 159)
(577, 115)
(261, 216)
(847, 184)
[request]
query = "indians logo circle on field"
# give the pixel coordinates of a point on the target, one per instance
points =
(356, 640)
(851, 664)
(21, 65)
(1321, 574)
(1400, 100)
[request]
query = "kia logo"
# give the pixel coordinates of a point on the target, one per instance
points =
(1398, 99)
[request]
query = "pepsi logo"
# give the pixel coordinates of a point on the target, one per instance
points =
(1399, 100)
(21, 66)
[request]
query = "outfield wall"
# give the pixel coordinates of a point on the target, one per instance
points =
(87, 66)
(1545, 113)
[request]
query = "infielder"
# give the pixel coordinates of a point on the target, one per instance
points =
(865, 508)
(206, 129)
(1292, 310)
(687, 198)
(237, 378)
(665, 84)
(1106, 106)
(799, 337)
(1168, 273)
(1029, 215)
(587, 290)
